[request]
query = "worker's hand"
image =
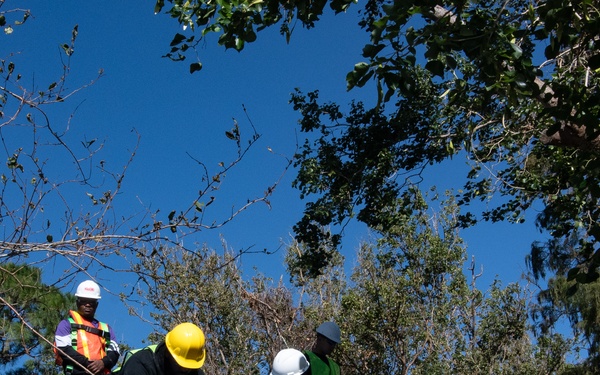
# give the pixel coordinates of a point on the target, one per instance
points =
(96, 366)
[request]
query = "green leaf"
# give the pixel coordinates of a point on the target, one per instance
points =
(436, 67)
(572, 274)
(195, 67)
(594, 62)
(363, 80)
(250, 36)
(239, 44)
(518, 52)
(392, 81)
(361, 67)
(551, 51)
(178, 38)
(451, 61)
(357, 76)
(158, 6)
(68, 50)
(371, 50)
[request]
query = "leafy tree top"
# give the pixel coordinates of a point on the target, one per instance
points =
(513, 85)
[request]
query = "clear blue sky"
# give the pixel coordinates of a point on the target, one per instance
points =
(177, 113)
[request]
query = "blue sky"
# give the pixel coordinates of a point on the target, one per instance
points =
(178, 114)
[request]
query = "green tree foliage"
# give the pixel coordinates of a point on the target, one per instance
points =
(512, 85)
(580, 305)
(236, 22)
(246, 321)
(407, 301)
(58, 193)
(30, 312)
(470, 78)
(407, 308)
(411, 309)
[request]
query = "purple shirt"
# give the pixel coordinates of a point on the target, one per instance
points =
(62, 335)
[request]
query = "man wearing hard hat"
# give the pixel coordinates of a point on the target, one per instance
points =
(182, 352)
(289, 362)
(84, 344)
(328, 336)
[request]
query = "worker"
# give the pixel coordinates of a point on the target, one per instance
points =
(181, 352)
(289, 362)
(328, 336)
(84, 345)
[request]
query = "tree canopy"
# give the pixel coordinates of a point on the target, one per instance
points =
(510, 85)
(408, 307)
(30, 311)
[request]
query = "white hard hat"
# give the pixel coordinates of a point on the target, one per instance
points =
(88, 289)
(289, 362)
(331, 331)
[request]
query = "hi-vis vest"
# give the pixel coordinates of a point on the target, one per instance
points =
(319, 367)
(125, 356)
(87, 339)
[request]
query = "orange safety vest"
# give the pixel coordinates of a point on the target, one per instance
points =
(87, 339)
(91, 345)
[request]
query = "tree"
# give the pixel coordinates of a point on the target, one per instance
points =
(207, 289)
(30, 312)
(466, 80)
(59, 196)
(238, 22)
(246, 321)
(580, 306)
(411, 310)
(508, 84)
(407, 308)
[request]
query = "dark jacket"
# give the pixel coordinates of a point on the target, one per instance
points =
(148, 362)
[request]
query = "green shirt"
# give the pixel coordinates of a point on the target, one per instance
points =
(320, 365)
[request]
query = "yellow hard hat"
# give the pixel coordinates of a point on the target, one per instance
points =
(186, 344)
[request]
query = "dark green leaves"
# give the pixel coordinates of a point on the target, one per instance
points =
(371, 50)
(472, 83)
(359, 76)
(178, 38)
(436, 67)
(158, 6)
(13, 163)
(24, 296)
(594, 62)
(195, 67)
(238, 22)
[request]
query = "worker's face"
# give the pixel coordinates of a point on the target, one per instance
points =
(324, 345)
(86, 307)
(173, 368)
